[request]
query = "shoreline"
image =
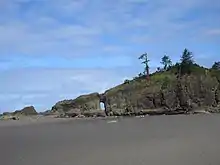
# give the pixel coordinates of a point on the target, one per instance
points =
(39, 119)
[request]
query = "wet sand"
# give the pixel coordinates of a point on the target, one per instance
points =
(157, 140)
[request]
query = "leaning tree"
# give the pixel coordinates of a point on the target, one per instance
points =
(145, 61)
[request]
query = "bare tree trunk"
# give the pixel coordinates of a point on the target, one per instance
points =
(148, 74)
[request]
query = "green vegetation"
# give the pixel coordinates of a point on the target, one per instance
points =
(186, 66)
(126, 81)
(170, 72)
(215, 70)
(216, 66)
(166, 62)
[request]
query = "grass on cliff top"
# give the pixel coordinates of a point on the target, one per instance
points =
(81, 99)
(161, 79)
(87, 97)
(157, 80)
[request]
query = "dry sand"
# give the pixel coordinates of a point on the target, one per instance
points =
(158, 140)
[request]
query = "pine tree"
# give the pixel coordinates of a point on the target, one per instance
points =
(186, 62)
(166, 62)
(216, 66)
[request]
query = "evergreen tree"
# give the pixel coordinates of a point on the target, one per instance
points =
(166, 61)
(216, 66)
(186, 62)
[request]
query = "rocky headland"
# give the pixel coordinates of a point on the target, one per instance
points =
(164, 93)
(182, 88)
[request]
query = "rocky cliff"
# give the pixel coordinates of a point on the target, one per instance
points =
(163, 93)
(186, 94)
(27, 111)
(84, 103)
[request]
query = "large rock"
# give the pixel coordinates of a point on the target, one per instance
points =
(27, 111)
(170, 93)
(163, 94)
(86, 103)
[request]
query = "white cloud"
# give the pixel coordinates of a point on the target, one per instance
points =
(64, 39)
(66, 26)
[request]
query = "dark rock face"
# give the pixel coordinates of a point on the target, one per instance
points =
(27, 111)
(166, 95)
(73, 112)
(185, 94)
(45, 113)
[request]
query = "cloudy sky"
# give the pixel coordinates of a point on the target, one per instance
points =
(58, 49)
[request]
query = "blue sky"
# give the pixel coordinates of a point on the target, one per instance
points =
(58, 49)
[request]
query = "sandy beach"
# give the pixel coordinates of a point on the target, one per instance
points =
(167, 140)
